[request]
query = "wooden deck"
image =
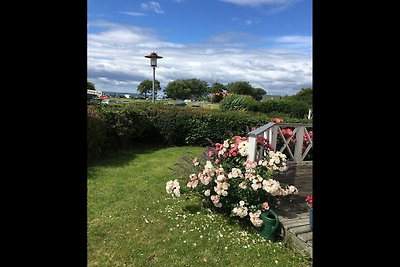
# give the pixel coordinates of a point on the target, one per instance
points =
(294, 215)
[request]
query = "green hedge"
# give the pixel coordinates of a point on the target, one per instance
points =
(96, 132)
(188, 126)
(294, 109)
(115, 127)
(125, 123)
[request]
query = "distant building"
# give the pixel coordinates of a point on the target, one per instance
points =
(269, 97)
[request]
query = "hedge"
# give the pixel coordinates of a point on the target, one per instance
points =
(114, 127)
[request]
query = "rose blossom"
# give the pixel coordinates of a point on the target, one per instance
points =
(254, 218)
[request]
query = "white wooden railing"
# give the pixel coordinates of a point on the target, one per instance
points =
(273, 133)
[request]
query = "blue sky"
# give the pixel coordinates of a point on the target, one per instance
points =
(265, 42)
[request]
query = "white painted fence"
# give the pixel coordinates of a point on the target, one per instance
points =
(271, 131)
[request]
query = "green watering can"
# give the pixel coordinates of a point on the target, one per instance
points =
(271, 225)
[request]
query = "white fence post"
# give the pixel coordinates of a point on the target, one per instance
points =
(274, 136)
(252, 149)
(298, 149)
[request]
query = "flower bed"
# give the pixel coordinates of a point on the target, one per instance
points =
(230, 184)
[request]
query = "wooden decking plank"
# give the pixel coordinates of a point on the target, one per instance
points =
(305, 236)
(294, 214)
(295, 223)
(301, 229)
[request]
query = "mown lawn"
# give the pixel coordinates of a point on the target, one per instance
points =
(132, 221)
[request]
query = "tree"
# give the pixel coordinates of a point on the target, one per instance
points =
(217, 88)
(177, 90)
(147, 87)
(185, 89)
(90, 86)
(240, 88)
(305, 95)
(245, 88)
(198, 88)
(258, 93)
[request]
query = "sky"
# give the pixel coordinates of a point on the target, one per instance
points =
(267, 43)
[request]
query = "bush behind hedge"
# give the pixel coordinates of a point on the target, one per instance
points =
(294, 109)
(239, 102)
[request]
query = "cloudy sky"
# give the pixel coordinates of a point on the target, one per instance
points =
(265, 42)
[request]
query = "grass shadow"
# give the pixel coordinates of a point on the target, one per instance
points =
(193, 208)
(122, 157)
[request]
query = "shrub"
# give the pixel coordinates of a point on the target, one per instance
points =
(186, 126)
(297, 109)
(124, 124)
(113, 127)
(96, 133)
(290, 139)
(216, 126)
(239, 102)
(216, 97)
(230, 184)
(294, 109)
(274, 106)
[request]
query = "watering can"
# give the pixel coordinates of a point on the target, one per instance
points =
(271, 225)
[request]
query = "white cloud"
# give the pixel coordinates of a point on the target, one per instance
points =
(116, 34)
(294, 42)
(135, 14)
(294, 39)
(248, 22)
(154, 6)
(157, 44)
(274, 6)
(116, 61)
(230, 37)
(254, 3)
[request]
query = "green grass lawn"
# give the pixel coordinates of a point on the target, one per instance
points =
(132, 221)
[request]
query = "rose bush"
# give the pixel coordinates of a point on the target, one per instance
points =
(289, 136)
(231, 184)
